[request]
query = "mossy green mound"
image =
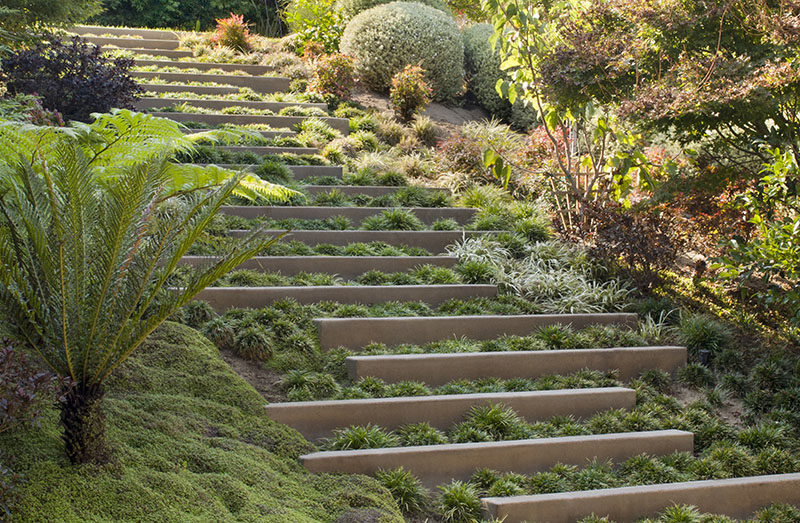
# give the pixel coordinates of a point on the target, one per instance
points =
(191, 442)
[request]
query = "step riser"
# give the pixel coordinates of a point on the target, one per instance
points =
(438, 464)
(150, 34)
(299, 172)
(432, 241)
(165, 53)
(205, 66)
(344, 266)
(133, 43)
(340, 124)
(257, 83)
(195, 89)
(318, 419)
(265, 134)
(354, 214)
(737, 498)
(224, 298)
(438, 369)
(157, 103)
(373, 191)
(355, 333)
(268, 150)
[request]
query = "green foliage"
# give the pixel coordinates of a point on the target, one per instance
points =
(406, 489)
(362, 437)
(482, 66)
(22, 19)
(699, 332)
(178, 415)
(393, 220)
(315, 21)
(421, 434)
(333, 74)
(772, 255)
(409, 93)
(459, 502)
(351, 8)
(387, 38)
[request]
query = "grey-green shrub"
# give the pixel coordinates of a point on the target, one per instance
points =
(351, 8)
(386, 38)
(482, 67)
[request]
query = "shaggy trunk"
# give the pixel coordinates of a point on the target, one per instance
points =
(84, 424)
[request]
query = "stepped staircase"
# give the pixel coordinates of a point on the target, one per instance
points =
(436, 464)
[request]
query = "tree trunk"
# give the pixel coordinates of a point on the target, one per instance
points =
(84, 424)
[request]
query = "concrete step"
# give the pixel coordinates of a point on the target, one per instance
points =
(374, 191)
(215, 90)
(265, 134)
(299, 172)
(355, 333)
(428, 215)
(438, 369)
(438, 464)
(737, 498)
(345, 266)
(134, 43)
(164, 53)
(341, 124)
(224, 298)
(434, 242)
(205, 66)
(150, 34)
(318, 419)
(263, 149)
(261, 84)
(155, 103)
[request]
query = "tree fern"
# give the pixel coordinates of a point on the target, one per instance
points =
(87, 245)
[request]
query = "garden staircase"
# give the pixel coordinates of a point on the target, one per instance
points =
(437, 464)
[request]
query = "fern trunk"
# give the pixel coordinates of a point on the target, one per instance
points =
(84, 424)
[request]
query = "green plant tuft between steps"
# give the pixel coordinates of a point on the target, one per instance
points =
(178, 415)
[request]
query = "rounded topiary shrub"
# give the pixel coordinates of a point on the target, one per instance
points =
(351, 8)
(389, 37)
(482, 67)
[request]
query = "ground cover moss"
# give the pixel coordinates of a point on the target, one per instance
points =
(180, 418)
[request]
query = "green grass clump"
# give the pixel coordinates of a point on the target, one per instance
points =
(178, 415)
(459, 502)
(362, 437)
(393, 220)
(405, 488)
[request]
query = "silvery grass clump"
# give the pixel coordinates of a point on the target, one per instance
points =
(554, 275)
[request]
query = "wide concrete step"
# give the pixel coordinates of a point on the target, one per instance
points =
(318, 419)
(427, 215)
(216, 90)
(224, 298)
(148, 44)
(155, 103)
(433, 241)
(205, 66)
(355, 333)
(264, 149)
(262, 84)
(438, 464)
(150, 34)
(299, 172)
(438, 369)
(340, 124)
(265, 134)
(737, 498)
(373, 191)
(345, 266)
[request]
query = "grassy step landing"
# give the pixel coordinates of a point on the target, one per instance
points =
(738, 498)
(224, 298)
(437, 464)
(151, 34)
(265, 134)
(299, 172)
(344, 266)
(340, 124)
(437, 369)
(427, 215)
(262, 84)
(373, 191)
(157, 103)
(356, 333)
(247, 68)
(134, 43)
(318, 419)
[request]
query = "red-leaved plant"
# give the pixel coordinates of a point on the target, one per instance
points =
(333, 74)
(409, 92)
(232, 32)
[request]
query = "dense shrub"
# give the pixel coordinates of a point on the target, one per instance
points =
(73, 78)
(409, 92)
(315, 22)
(28, 108)
(24, 18)
(187, 14)
(351, 8)
(482, 67)
(232, 32)
(389, 37)
(333, 74)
